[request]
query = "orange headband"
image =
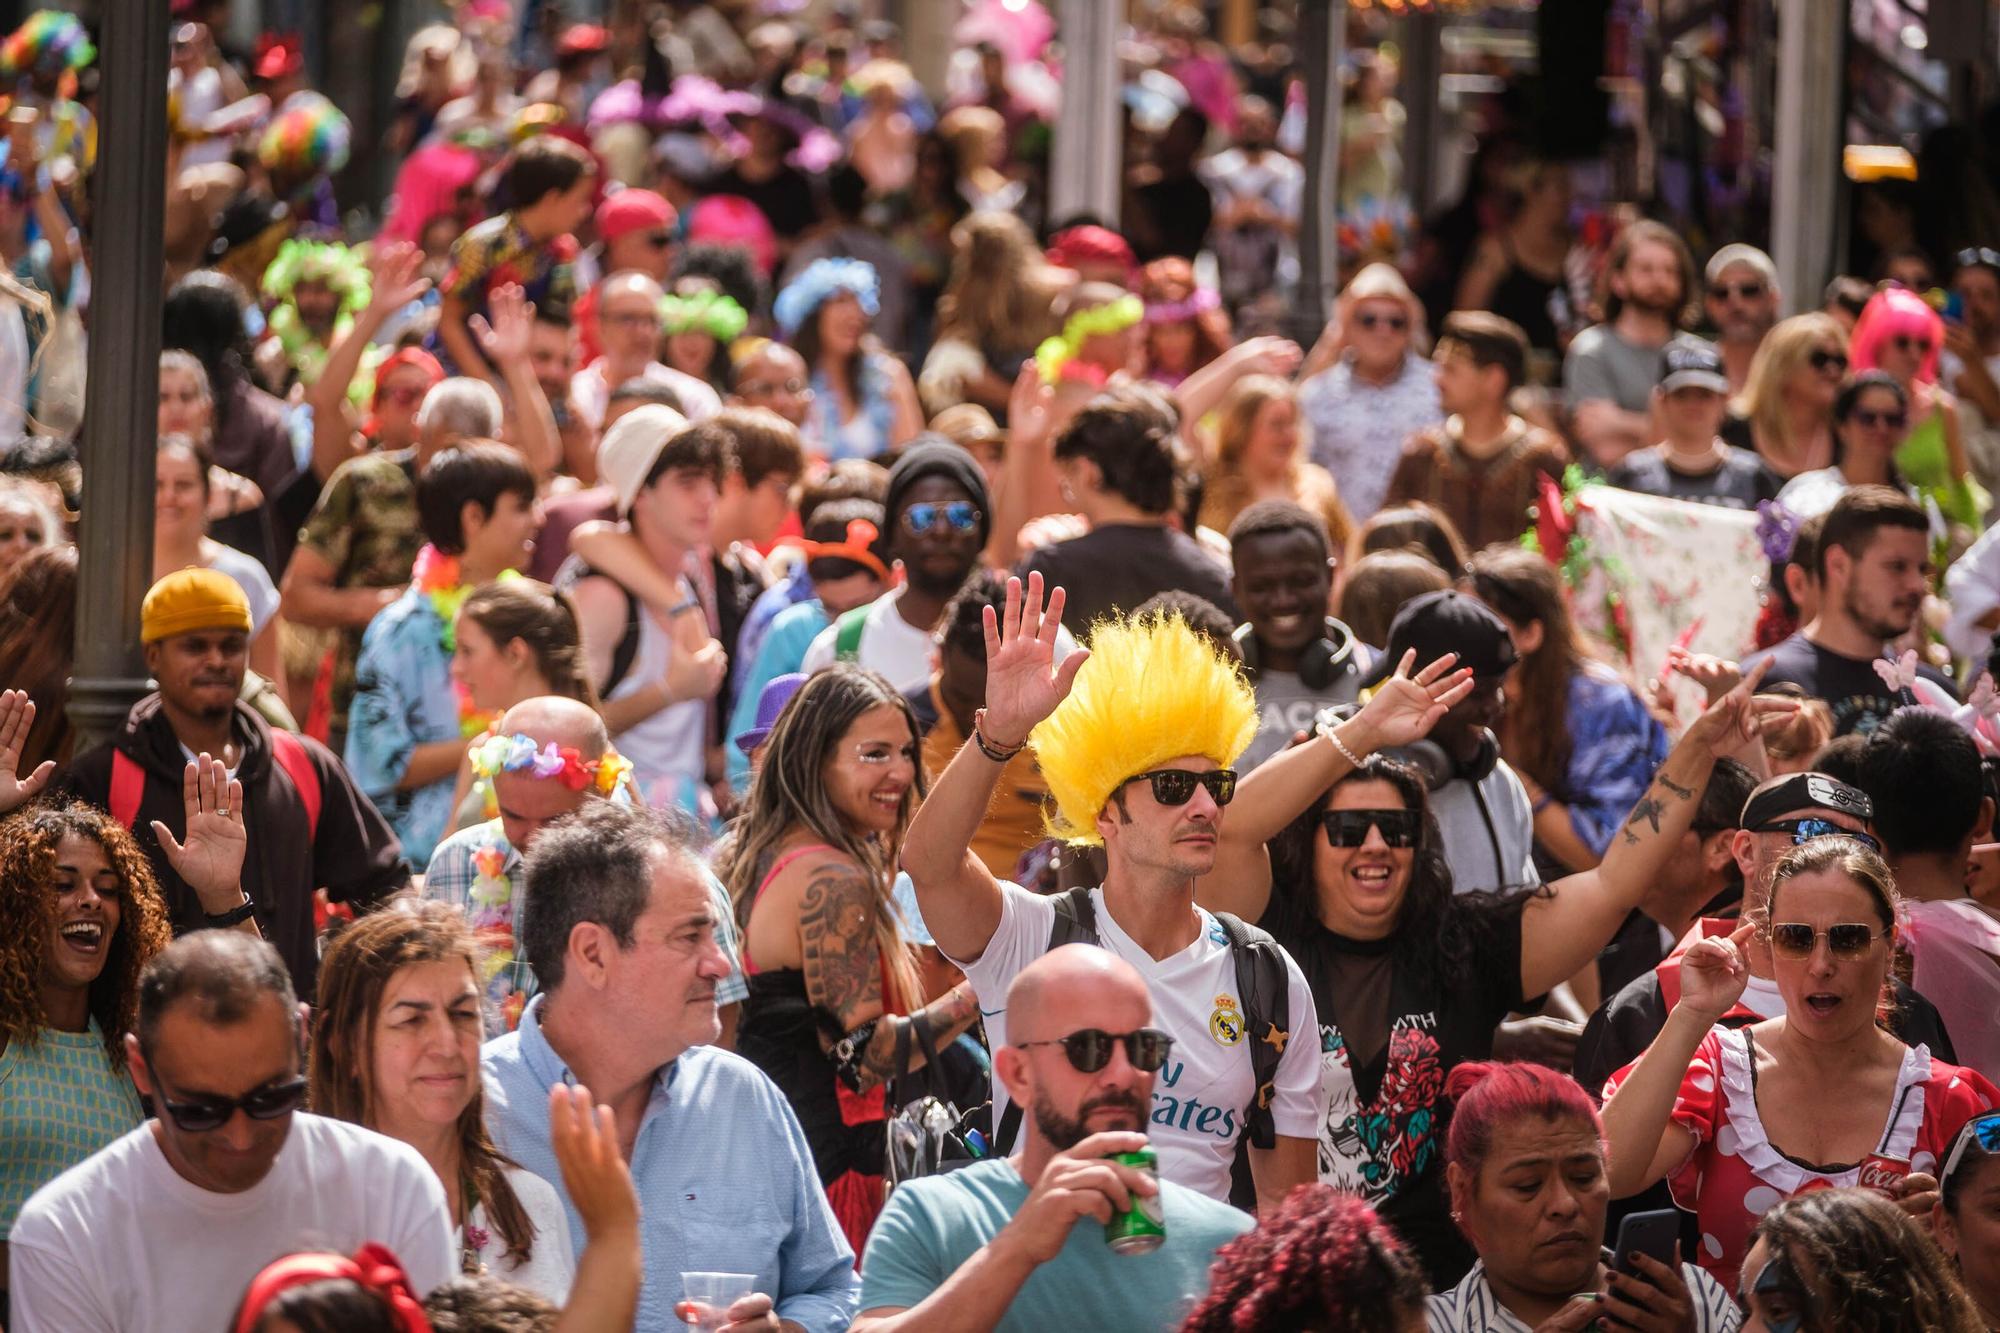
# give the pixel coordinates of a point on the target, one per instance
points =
(858, 546)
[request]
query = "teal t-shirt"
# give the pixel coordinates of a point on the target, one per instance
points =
(933, 1225)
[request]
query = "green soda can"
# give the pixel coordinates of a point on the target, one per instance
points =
(1142, 1228)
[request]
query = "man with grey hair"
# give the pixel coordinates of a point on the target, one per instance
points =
(628, 329)
(165, 1228)
(1742, 302)
(621, 930)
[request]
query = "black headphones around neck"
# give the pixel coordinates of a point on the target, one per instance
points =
(1321, 663)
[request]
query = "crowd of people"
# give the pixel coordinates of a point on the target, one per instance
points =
(746, 728)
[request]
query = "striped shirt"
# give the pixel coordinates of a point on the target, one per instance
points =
(1471, 1307)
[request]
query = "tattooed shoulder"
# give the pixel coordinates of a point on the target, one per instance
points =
(842, 964)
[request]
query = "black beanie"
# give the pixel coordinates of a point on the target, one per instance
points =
(932, 455)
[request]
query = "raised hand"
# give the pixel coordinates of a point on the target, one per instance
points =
(1714, 972)
(1030, 406)
(1405, 707)
(1740, 715)
(211, 860)
(394, 271)
(506, 337)
(1023, 683)
(17, 716)
(1271, 355)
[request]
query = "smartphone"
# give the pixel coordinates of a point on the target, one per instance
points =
(1652, 1234)
(1953, 309)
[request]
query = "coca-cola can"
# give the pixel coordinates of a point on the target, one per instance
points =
(1883, 1174)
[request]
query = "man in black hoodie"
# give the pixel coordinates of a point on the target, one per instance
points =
(308, 826)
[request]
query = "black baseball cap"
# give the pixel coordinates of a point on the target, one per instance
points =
(1804, 791)
(1690, 363)
(1449, 621)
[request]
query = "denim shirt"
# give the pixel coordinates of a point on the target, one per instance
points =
(403, 698)
(725, 1179)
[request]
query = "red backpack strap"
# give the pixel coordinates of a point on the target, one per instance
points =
(291, 755)
(128, 787)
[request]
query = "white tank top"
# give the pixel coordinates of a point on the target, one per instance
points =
(666, 748)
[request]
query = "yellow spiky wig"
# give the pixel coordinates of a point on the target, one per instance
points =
(1153, 690)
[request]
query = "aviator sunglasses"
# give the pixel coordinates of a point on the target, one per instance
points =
(1089, 1049)
(1175, 786)
(1795, 939)
(1349, 828)
(958, 515)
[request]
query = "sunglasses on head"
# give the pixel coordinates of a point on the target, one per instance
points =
(1349, 828)
(1823, 360)
(211, 1113)
(1977, 254)
(1903, 342)
(1394, 323)
(958, 515)
(1795, 939)
(1175, 786)
(1875, 420)
(1089, 1049)
(1748, 291)
(1981, 1129)
(1804, 831)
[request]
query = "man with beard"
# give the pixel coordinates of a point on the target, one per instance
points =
(1743, 303)
(937, 517)
(1874, 566)
(309, 827)
(1017, 1243)
(1611, 368)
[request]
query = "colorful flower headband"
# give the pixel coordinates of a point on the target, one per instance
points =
(1053, 357)
(713, 313)
(825, 278)
(519, 753)
(1200, 302)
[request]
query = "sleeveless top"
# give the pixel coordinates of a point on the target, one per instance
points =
(666, 749)
(868, 434)
(1527, 299)
(60, 1101)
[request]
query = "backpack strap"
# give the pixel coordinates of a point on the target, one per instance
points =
(627, 650)
(847, 632)
(290, 754)
(128, 787)
(1265, 984)
(1075, 923)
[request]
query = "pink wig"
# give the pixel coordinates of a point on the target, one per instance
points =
(1896, 312)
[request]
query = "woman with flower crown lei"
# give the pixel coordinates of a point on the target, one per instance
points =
(864, 402)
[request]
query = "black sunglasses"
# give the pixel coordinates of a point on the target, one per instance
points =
(1804, 831)
(1823, 360)
(1893, 420)
(1394, 323)
(1905, 343)
(659, 240)
(211, 1113)
(1089, 1049)
(1349, 828)
(1175, 786)
(1749, 291)
(1795, 939)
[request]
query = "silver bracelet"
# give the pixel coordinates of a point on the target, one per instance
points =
(1353, 759)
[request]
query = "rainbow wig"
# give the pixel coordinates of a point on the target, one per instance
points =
(1896, 312)
(306, 139)
(1154, 690)
(49, 43)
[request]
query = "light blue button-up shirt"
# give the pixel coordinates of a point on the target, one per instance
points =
(726, 1182)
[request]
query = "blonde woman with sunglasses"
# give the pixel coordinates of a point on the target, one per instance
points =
(1737, 1119)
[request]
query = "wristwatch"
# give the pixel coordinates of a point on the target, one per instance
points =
(235, 916)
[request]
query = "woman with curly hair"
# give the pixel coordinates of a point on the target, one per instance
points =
(998, 305)
(1850, 1260)
(1260, 455)
(1325, 1262)
(395, 1048)
(80, 916)
(1186, 326)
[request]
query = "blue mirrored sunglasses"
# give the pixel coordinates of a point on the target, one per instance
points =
(958, 515)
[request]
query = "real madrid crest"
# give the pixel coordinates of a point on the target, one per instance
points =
(1225, 1024)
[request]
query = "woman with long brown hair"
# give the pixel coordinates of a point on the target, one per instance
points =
(1260, 455)
(395, 1047)
(80, 916)
(835, 990)
(1580, 739)
(998, 305)
(37, 643)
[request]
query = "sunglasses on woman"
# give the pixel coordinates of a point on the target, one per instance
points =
(211, 1113)
(1349, 828)
(1982, 1129)
(1877, 420)
(1804, 831)
(1393, 323)
(1175, 786)
(958, 515)
(1823, 361)
(1089, 1049)
(1795, 939)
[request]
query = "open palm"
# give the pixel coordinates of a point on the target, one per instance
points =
(17, 716)
(1405, 707)
(1023, 683)
(211, 859)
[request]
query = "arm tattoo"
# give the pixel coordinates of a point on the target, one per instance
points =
(1685, 793)
(1649, 809)
(843, 967)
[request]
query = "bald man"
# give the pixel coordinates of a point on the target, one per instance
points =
(479, 868)
(628, 328)
(1019, 1244)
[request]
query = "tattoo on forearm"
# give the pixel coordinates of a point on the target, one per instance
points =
(1648, 809)
(1685, 793)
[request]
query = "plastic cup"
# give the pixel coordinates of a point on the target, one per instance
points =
(708, 1296)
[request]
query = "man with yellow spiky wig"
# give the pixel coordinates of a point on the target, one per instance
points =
(1135, 738)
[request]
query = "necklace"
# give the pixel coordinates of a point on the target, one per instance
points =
(436, 576)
